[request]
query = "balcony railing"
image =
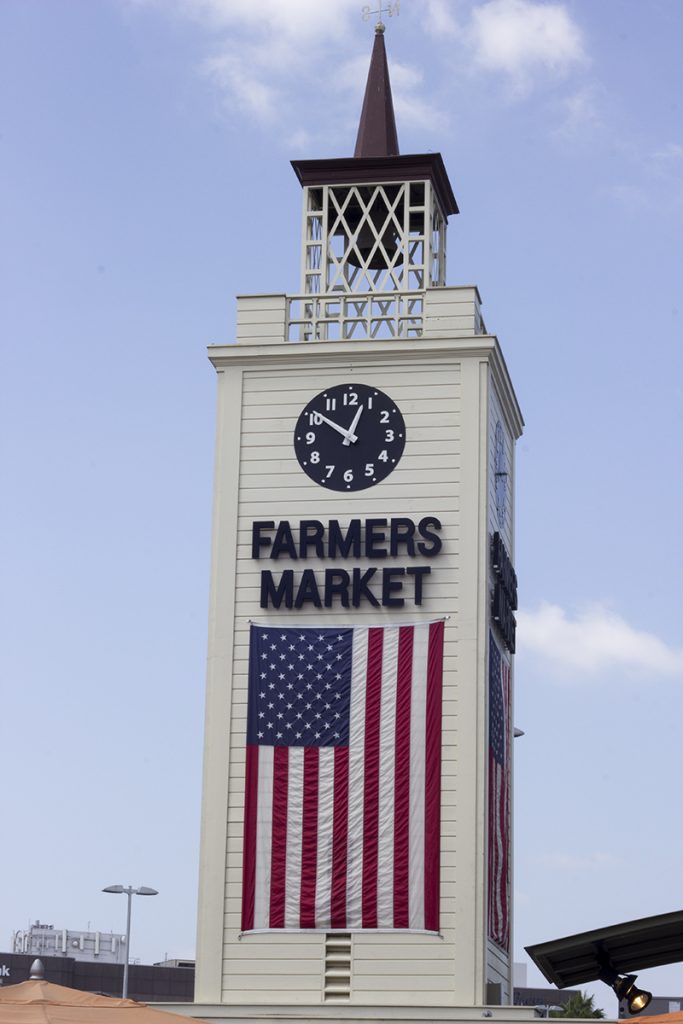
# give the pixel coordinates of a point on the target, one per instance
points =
(339, 316)
(336, 316)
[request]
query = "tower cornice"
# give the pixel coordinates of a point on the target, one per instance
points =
(362, 170)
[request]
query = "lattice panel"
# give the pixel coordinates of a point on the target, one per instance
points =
(438, 248)
(341, 317)
(370, 224)
(384, 237)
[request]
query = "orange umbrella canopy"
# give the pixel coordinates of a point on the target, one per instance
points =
(41, 1002)
(665, 1018)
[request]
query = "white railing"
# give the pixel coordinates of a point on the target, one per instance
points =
(342, 316)
(339, 316)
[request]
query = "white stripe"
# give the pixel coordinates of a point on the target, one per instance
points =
(264, 837)
(354, 866)
(323, 885)
(295, 802)
(498, 858)
(387, 770)
(418, 711)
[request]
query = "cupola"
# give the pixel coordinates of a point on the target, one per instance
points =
(374, 224)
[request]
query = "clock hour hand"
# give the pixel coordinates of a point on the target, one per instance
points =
(341, 430)
(350, 434)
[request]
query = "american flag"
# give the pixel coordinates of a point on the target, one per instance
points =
(499, 836)
(343, 778)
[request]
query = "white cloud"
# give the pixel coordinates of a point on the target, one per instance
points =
(633, 197)
(667, 161)
(657, 181)
(581, 114)
(411, 108)
(518, 37)
(351, 74)
(439, 20)
(301, 21)
(234, 75)
(271, 60)
(596, 640)
(266, 56)
(573, 863)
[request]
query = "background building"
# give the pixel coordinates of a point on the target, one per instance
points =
(149, 983)
(45, 940)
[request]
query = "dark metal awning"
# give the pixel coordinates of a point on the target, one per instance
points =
(628, 947)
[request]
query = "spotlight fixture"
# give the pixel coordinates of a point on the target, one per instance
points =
(625, 988)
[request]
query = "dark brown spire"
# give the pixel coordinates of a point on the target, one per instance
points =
(377, 129)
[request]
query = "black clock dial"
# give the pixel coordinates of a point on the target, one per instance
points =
(349, 437)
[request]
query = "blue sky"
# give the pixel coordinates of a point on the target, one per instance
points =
(146, 181)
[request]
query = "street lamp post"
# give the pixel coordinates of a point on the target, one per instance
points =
(144, 890)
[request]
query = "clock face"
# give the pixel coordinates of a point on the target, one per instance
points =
(501, 474)
(349, 437)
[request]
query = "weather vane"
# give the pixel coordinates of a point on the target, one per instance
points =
(393, 9)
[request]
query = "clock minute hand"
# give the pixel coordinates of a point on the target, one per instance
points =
(350, 436)
(341, 430)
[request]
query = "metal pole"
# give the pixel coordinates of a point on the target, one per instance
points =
(129, 892)
(144, 890)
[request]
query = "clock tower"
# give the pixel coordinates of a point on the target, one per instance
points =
(356, 825)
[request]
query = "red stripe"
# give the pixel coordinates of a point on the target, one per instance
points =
(278, 857)
(494, 833)
(504, 861)
(402, 777)
(309, 846)
(501, 862)
(505, 812)
(249, 845)
(433, 776)
(492, 846)
(373, 694)
(340, 837)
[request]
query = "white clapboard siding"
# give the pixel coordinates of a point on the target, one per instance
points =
(442, 390)
(452, 311)
(261, 318)
(500, 971)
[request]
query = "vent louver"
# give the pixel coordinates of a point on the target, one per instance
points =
(337, 968)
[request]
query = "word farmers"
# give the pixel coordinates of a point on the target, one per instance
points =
(348, 589)
(367, 538)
